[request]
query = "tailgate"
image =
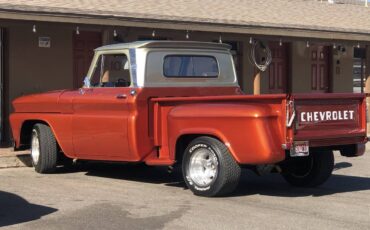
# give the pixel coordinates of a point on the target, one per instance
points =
(329, 119)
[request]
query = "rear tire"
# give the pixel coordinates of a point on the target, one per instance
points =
(209, 169)
(44, 151)
(310, 171)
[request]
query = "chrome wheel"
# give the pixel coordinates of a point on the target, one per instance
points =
(35, 147)
(203, 167)
(209, 168)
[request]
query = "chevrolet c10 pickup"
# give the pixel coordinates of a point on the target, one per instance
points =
(172, 103)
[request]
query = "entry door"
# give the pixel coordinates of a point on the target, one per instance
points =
(100, 123)
(83, 52)
(320, 69)
(278, 69)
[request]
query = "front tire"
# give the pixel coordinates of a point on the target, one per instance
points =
(44, 151)
(209, 169)
(310, 171)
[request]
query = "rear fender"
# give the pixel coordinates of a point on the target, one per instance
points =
(197, 132)
(250, 131)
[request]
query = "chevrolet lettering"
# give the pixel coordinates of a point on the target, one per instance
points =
(318, 116)
(178, 104)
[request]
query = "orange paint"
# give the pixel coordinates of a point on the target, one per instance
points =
(113, 125)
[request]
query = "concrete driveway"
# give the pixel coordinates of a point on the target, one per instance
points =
(100, 196)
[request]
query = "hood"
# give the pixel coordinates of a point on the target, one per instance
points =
(38, 103)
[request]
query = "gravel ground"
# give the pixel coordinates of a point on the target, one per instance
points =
(109, 196)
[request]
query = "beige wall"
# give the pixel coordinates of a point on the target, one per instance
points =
(300, 68)
(342, 81)
(341, 73)
(299, 59)
(33, 69)
(248, 69)
(249, 72)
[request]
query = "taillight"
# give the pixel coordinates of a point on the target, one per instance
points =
(290, 113)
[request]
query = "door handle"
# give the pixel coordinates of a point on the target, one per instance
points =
(121, 96)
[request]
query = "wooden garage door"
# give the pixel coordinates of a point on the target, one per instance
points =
(278, 69)
(83, 52)
(320, 69)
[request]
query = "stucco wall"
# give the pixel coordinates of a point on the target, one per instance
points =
(342, 69)
(30, 69)
(33, 69)
(340, 75)
(248, 69)
(300, 68)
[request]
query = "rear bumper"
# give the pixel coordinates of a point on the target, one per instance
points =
(349, 147)
(353, 150)
(338, 141)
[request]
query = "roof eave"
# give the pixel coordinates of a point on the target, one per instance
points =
(179, 25)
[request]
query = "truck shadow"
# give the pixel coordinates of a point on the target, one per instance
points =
(15, 210)
(342, 165)
(274, 185)
(137, 172)
(250, 184)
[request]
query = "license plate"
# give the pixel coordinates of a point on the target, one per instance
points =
(300, 149)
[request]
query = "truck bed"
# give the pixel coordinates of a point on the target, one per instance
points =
(256, 128)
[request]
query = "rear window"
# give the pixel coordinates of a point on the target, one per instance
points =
(190, 66)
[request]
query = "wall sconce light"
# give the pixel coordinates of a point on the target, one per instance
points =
(220, 39)
(187, 34)
(250, 40)
(77, 30)
(280, 42)
(114, 33)
(307, 44)
(153, 33)
(34, 29)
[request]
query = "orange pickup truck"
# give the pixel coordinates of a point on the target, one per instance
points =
(173, 103)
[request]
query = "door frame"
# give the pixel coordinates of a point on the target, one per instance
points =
(288, 64)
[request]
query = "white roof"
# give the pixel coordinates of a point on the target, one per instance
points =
(165, 44)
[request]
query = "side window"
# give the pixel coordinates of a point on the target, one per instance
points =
(189, 66)
(111, 70)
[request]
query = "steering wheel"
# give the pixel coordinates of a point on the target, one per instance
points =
(122, 83)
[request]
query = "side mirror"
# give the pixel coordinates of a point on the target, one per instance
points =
(87, 83)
